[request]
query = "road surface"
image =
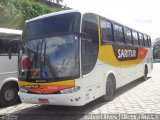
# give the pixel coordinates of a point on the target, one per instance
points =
(137, 97)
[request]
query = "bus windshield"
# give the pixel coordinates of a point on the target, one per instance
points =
(51, 49)
(52, 58)
(64, 23)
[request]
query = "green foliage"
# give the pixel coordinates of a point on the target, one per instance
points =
(13, 13)
(158, 56)
(156, 49)
(8, 13)
(31, 9)
(56, 1)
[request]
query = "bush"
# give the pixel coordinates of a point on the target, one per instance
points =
(7, 13)
(13, 13)
(32, 9)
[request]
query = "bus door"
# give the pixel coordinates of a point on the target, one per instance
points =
(89, 53)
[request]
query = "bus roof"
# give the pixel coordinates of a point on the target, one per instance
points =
(10, 33)
(71, 11)
(52, 14)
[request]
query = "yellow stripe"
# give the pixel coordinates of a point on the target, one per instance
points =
(106, 55)
(66, 82)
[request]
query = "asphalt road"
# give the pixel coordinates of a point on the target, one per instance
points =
(138, 97)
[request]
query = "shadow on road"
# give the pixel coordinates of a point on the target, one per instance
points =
(129, 86)
(18, 102)
(49, 112)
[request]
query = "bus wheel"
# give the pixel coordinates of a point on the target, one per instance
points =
(9, 95)
(109, 90)
(145, 74)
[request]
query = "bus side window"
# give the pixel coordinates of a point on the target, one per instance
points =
(1, 47)
(145, 40)
(106, 31)
(118, 33)
(4, 46)
(128, 36)
(135, 38)
(141, 41)
(89, 43)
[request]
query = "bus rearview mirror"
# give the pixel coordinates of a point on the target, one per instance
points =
(9, 50)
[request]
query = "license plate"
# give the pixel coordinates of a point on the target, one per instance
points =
(43, 101)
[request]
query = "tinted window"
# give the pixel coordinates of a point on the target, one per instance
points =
(106, 31)
(145, 40)
(52, 25)
(4, 47)
(118, 33)
(61, 56)
(141, 39)
(128, 36)
(135, 38)
(89, 43)
(15, 47)
(149, 41)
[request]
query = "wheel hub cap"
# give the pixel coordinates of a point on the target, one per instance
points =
(9, 95)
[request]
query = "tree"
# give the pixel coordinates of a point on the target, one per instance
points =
(56, 1)
(13, 13)
(156, 49)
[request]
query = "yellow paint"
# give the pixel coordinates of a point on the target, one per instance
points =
(106, 55)
(66, 82)
(99, 31)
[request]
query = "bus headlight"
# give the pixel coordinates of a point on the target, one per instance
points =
(23, 90)
(70, 90)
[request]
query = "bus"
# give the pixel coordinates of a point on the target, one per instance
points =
(72, 58)
(8, 68)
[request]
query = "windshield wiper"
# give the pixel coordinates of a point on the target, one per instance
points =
(37, 52)
(44, 54)
(47, 60)
(52, 70)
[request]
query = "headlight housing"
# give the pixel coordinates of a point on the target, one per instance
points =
(70, 90)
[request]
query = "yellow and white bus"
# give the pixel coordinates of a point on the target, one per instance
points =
(72, 58)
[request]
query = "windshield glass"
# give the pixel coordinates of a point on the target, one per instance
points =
(52, 58)
(50, 48)
(63, 23)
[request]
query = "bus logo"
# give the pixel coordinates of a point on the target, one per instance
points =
(124, 53)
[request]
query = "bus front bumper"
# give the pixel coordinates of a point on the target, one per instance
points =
(72, 99)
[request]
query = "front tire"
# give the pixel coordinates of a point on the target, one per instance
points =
(9, 95)
(109, 90)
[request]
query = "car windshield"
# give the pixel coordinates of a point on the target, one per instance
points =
(52, 58)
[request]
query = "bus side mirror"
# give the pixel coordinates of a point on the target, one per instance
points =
(85, 37)
(9, 50)
(9, 54)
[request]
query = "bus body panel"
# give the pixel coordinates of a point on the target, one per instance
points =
(9, 69)
(72, 99)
